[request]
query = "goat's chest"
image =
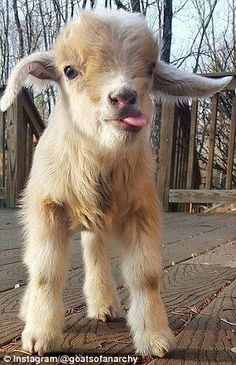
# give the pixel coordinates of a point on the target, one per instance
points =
(99, 197)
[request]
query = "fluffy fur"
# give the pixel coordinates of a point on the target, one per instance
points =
(90, 175)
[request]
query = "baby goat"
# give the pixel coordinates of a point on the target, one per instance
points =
(93, 171)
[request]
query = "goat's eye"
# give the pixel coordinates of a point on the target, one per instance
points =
(70, 72)
(150, 69)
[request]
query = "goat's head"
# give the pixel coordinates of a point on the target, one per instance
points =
(107, 67)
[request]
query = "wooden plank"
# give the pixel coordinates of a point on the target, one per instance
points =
(188, 221)
(11, 275)
(165, 153)
(183, 250)
(176, 145)
(2, 158)
(2, 162)
(184, 287)
(29, 150)
(4, 154)
(202, 196)
(16, 151)
(212, 136)
(2, 193)
(208, 339)
(10, 256)
(21, 146)
(35, 119)
(231, 147)
(192, 137)
(224, 255)
(218, 74)
(196, 226)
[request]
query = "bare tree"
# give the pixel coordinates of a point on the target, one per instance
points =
(167, 30)
(135, 6)
(19, 29)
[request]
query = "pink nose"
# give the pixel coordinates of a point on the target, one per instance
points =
(128, 97)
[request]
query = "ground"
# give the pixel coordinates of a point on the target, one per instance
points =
(199, 290)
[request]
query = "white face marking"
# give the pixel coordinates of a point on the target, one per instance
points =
(115, 85)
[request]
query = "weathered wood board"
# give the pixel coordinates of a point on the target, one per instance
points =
(208, 339)
(224, 255)
(185, 249)
(202, 196)
(231, 146)
(188, 287)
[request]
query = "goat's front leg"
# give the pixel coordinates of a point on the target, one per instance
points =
(147, 316)
(100, 292)
(46, 255)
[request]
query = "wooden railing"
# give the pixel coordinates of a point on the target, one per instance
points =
(20, 128)
(179, 178)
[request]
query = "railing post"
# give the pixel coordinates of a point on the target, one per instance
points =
(16, 151)
(192, 144)
(2, 178)
(212, 137)
(165, 168)
(230, 161)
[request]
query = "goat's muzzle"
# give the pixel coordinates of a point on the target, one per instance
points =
(125, 114)
(123, 99)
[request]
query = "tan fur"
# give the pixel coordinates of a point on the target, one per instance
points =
(104, 189)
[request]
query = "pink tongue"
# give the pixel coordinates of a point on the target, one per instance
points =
(139, 121)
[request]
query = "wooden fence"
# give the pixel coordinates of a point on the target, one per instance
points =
(179, 176)
(20, 128)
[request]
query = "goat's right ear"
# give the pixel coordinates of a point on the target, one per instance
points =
(37, 69)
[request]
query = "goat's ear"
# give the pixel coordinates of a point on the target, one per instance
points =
(38, 69)
(171, 83)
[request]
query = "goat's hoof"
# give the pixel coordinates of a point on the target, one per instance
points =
(158, 344)
(104, 313)
(35, 341)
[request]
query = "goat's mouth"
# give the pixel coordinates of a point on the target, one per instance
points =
(131, 123)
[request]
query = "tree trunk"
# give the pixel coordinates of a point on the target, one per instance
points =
(167, 31)
(135, 6)
(19, 29)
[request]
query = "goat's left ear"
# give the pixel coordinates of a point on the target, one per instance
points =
(38, 69)
(170, 82)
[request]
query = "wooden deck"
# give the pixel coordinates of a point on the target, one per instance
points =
(199, 289)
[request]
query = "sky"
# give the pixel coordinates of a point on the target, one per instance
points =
(185, 25)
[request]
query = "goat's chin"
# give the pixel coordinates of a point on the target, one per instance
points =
(114, 139)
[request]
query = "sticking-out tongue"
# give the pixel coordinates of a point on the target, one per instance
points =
(139, 121)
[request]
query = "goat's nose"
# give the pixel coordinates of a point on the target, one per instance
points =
(127, 97)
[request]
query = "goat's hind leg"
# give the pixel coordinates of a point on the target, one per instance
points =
(46, 256)
(101, 296)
